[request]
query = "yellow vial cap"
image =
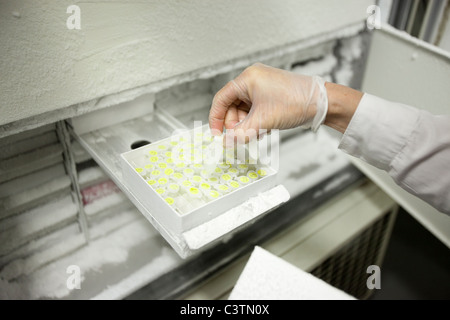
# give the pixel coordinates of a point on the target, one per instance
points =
(234, 184)
(226, 177)
(161, 191)
(244, 179)
(205, 186)
(253, 175)
(177, 176)
(151, 182)
(156, 173)
(181, 165)
(214, 194)
(154, 159)
(170, 200)
(194, 190)
(187, 183)
(162, 181)
(213, 179)
(139, 170)
(153, 152)
(197, 179)
(168, 171)
(162, 165)
(262, 172)
(222, 187)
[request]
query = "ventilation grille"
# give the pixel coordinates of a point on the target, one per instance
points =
(347, 268)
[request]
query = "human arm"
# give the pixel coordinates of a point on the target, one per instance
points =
(412, 145)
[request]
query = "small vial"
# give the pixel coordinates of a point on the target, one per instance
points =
(233, 172)
(173, 188)
(229, 158)
(198, 167)
(154, 159)
(141, 171)
(213, 194)
(173, 143)
(252, 175)
(188, 172)
(218, 171)
(169, 161)
(186, 184)
(222, 188)
(205, 174)
(205, 187)
(196, 180)
(155, 174)
(170, 201)
(243, 168)
(168, 154)
(195, 193)
(213, 180)
(168, 172)
(225, 178)
(162, 165)
(208, 138)
(262, 172)
(149, 168)
(177, 177)
(153, 183)
(243, 180)
(162, 182)
(224, 166)
(161, 191)
(153, 153)
(234, 185)
(162, 147)
(180, 166)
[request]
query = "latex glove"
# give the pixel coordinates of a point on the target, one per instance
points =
(263, 97)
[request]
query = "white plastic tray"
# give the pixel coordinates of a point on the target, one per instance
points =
(166, 214)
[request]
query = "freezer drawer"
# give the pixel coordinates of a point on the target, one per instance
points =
(109, 133)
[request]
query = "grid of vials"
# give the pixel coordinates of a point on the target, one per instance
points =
(188, 172)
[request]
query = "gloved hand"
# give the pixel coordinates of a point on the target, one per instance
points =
(267, 98)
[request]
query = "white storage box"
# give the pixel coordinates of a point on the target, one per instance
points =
(195, 155)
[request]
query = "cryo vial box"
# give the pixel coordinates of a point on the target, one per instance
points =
(211, 179)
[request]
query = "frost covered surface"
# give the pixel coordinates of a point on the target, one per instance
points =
(167, 260)
(105, 202)
(91, 174)
(235, 217)
(110, 250)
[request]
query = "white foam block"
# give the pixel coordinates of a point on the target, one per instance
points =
(268, 277)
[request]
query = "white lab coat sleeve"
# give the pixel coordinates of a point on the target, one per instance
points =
(412, 145)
